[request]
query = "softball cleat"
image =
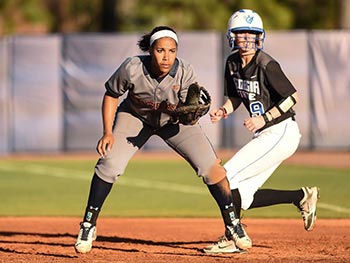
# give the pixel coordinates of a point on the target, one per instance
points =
(87, 235)
(240, 237)
(308, 206)
(223, 245)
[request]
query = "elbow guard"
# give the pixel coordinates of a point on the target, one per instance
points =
(286, 104)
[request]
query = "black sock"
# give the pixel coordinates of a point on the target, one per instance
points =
(221, 193)
(229, 215)
(91, 214)
(99, 191)
(223, 197)
(267, 197)
(237, 201)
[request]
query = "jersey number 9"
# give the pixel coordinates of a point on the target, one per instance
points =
(256, 108)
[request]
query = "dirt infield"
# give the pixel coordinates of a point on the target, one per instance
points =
(171, 240)
(177, 240)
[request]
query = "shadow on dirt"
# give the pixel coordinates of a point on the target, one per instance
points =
(102, 239)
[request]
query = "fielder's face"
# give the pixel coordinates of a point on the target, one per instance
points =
(163, 52)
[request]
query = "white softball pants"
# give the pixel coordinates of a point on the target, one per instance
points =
(255, 162)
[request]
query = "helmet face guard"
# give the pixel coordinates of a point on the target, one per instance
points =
(245, 21)
(256, 42)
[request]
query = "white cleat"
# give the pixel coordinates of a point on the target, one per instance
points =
(87, 235)
(240, 237)
(308, 206)
(223, 245)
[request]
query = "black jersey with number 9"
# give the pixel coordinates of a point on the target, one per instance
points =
(260, 85)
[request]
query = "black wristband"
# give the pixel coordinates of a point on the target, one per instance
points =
(265, 118)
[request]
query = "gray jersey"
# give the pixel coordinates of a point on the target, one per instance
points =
(148, 98)
(146, 112)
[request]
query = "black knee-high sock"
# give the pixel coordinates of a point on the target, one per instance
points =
(223, 197)
(221, 193)
(99, 191)
(237, 201)
(267, 197)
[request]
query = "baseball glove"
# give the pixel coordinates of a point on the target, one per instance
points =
(197, 104)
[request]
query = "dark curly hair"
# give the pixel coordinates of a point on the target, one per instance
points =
(144, 44)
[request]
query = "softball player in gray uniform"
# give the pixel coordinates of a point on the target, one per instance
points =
(155, 84)
(254, 78)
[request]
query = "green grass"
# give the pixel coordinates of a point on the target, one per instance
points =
(151, 189)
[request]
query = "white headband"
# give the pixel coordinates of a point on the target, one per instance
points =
(163, 33)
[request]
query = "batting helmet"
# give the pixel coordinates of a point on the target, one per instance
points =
(245, 20)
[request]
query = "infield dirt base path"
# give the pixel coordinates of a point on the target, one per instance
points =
(171, 240)
(122, 240)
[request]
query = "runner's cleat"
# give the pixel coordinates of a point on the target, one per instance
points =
(240, 237)
(307, 206)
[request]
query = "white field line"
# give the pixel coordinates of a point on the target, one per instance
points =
(81, 175)
(133, 182)
(334, 208)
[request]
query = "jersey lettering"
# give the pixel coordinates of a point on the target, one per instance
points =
(247, 85)
(247, 89)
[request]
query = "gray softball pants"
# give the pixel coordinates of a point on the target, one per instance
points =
(130, 134)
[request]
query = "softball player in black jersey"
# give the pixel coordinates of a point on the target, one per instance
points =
(256, 80)
(155, 84)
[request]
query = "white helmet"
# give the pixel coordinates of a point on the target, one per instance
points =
(248, 21)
